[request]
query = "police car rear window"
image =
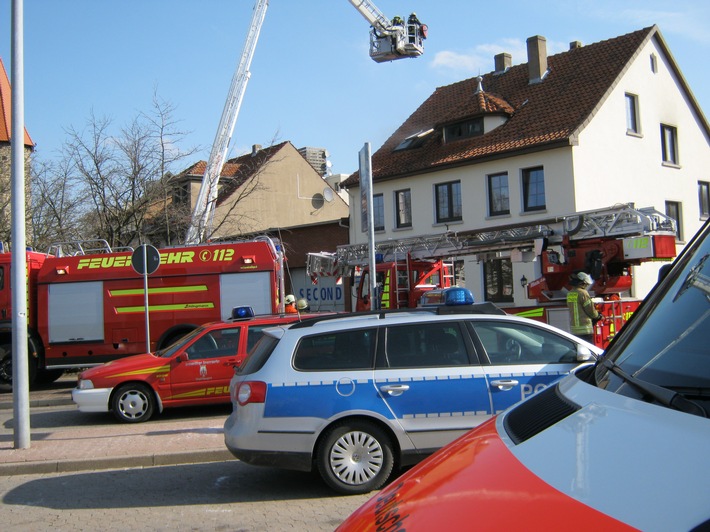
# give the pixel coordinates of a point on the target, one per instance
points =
(257, 357)
(336, 351)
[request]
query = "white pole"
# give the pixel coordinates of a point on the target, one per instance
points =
(20, 379)
(145, 298)
(366, 191)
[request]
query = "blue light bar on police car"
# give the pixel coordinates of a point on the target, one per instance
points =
(457, 296)
(242, 312)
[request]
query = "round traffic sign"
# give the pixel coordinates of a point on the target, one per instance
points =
(145, 259)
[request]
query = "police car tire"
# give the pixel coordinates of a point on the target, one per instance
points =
(133, 403)
(340, 453)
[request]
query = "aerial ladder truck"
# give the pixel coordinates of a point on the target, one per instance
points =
(389, 40)
(606, 243)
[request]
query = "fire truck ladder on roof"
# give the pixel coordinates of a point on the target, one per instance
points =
(616, 221)
(620, 220)
(83, 247)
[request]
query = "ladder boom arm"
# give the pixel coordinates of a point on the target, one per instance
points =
(204, 206)
(373, 15)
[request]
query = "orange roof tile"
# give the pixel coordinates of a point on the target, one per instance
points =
(6, 109)
(541, 115)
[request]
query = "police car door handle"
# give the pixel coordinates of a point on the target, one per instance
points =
(505, 384)
(394, 389)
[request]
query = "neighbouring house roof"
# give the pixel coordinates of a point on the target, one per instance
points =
(235, 171)
(539, 115)
(6, 109)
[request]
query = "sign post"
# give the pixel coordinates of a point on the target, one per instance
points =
(368, 218)
(145, 260)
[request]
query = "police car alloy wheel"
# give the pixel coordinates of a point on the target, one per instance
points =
(133, 403)
(355, 457)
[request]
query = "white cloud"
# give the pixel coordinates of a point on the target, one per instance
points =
(690, 23)
(480, 59)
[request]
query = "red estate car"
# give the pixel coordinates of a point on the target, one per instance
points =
(195, 370)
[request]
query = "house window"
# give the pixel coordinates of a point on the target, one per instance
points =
(414, 141)
(498, 196)
(533, 189)
(403, 207)
(463, 130)
(378, 211)
(704, 199)
(181, 194)
(448, 202)
(674, 211)
(669, 144)
(498, 280)
(632, 124)
(654, 63)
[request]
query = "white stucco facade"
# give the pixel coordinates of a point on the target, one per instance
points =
(601, 166)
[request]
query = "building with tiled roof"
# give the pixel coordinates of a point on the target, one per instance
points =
(600, 124)
(274, 191)
(6, 154)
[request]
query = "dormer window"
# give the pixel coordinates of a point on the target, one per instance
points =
(464, 129)
(414, 141)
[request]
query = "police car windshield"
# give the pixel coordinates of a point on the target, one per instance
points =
(667, 345)
(172, 349)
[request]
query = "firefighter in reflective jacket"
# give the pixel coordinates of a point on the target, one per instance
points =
(582, 312)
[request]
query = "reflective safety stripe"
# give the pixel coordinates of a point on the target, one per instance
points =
(385, 301)
(159, 371)
(202, 392)
(532, 313)
(165, 308)
(162, 290)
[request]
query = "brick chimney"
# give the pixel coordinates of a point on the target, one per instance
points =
(503, 62)
(537, 58)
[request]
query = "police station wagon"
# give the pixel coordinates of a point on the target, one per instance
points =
(359, 396)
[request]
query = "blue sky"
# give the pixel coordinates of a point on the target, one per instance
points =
(312, 82)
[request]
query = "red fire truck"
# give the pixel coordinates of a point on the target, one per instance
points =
(605, 243)
(400, 280)
(86, 303)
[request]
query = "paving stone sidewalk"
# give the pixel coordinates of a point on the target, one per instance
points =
(107, 445)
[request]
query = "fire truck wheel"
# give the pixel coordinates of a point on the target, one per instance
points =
(133, 403)
(6, 366)
(355, 457)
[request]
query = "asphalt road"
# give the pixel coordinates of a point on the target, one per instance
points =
(211, 496)
(216, 496)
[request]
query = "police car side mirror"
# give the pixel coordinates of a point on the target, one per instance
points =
(584, 354)
(663, 271)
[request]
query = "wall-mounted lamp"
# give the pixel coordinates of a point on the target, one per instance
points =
(523, 281)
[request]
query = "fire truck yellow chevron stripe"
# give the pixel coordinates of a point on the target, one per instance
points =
(159, 371)
(532, 313)
(161, 290)
(166, 308)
